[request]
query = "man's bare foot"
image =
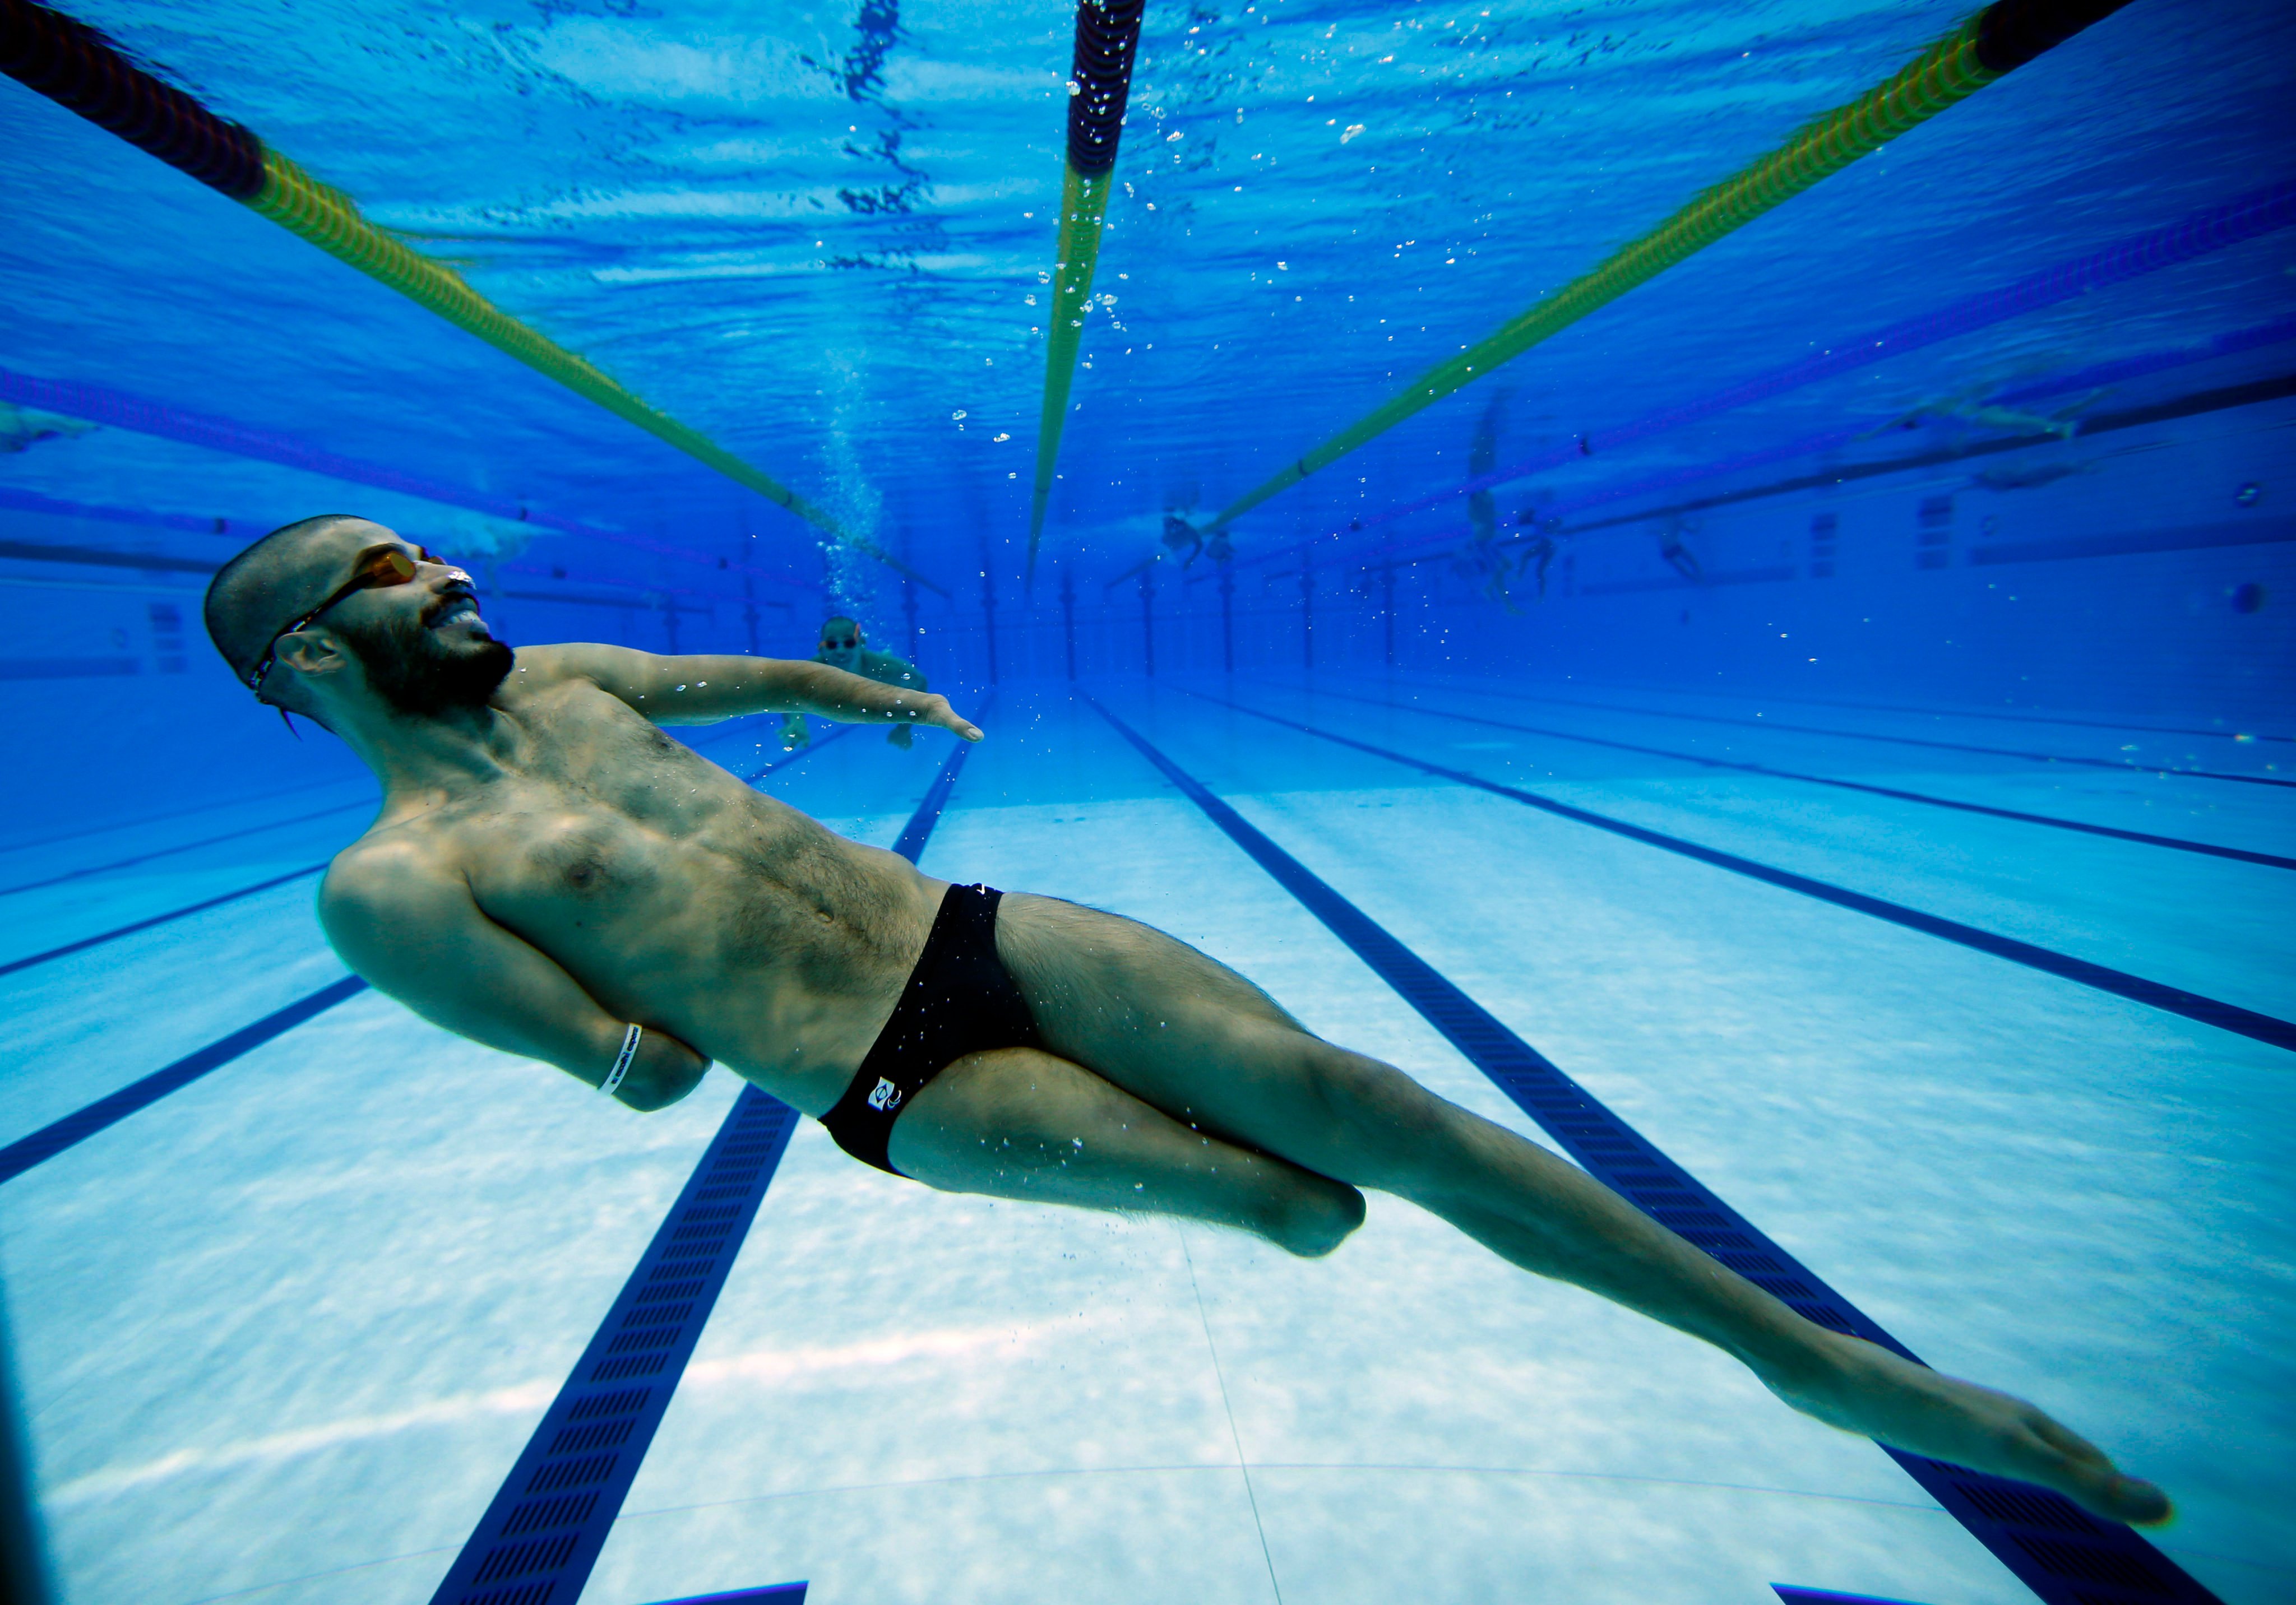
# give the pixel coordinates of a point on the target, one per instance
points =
(1866, 1390)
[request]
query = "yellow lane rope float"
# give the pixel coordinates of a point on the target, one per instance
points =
(79, 68)
(1107, 36)
(1997, 40)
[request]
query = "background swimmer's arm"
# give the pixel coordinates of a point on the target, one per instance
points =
(413, 931)
(703, 688)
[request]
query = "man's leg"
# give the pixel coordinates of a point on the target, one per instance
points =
(1022, 1123)
(1195, 1040)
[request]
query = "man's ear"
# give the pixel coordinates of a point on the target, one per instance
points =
(313, 653)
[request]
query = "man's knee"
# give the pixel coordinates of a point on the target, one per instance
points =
(1314, 1215)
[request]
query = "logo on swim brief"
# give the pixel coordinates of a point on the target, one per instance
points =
(884, 1095)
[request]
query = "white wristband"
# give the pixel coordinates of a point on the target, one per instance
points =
(622, 1060)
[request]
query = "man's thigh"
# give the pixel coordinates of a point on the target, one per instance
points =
(1023, 1124)
(1193, 1038)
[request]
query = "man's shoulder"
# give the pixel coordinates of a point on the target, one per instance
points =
(389, 871)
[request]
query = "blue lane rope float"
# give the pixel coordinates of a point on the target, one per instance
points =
(84, 72)
(2173, 999)
(2001, 38)
(104, 1113)
(2176, 843)
(542, 1534)
(1107, 38)
(2063, 1554)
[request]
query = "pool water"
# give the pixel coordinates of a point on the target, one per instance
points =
(1879, 798)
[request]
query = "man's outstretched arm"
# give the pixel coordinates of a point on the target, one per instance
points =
(413, 931)
(703, 688)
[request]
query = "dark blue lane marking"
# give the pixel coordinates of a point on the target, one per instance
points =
(82, 1123)
(801, 754)
(780, 1593)
(2177, 842)
(539, 1538)
(1791, 1595)
(124, 825)
(2174, 1000)
(205, 841)
(85, 943)
(2059, 1550)
(2115, 764)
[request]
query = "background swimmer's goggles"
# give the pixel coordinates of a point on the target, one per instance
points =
(377, 566)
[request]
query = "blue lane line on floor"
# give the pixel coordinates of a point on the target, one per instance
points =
(780, 1593)
(800, 755)
(205, 841)
(123, 825)
(2178, 843)
(2118, 765)
(2174, 1000)
(2059, 1550)
(1793, 1595)
(538, 1540)
(104, 1113)
(173, 915)
(85, 943)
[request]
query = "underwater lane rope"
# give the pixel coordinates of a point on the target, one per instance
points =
(81, 71)
(2004, 35)
(1107, 38)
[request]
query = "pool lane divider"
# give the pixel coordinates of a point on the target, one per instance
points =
(2114, 766)
(1997, 40)
(543, 1533)
(1100, 83)
(81, 1123)
(2174, 1000)
(2059, 1550)
(2177, 843)
(81, 71)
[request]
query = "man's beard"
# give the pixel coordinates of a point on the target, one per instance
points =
(409, 667)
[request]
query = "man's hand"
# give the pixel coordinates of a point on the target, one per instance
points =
(902, 736)
(795, 733)
(664, 1071)
(930, 707)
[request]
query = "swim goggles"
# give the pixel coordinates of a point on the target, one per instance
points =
(376, 567)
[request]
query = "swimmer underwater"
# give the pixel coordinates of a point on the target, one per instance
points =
(552, 876)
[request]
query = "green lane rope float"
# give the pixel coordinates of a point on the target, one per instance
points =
(81, 71)
(1107, 37)
(1998, 39)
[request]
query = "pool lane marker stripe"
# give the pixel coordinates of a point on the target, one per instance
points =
(173, 915)
(205, 841)
(85, 943)
(106, 1112)
(2059, 1550)
(2115, 766)
(2174, 1000)
(2178, 843)
(543, 1533)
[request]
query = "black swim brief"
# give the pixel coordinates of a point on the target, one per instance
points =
(959, 1000)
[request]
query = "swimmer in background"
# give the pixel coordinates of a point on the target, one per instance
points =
(841, 648)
